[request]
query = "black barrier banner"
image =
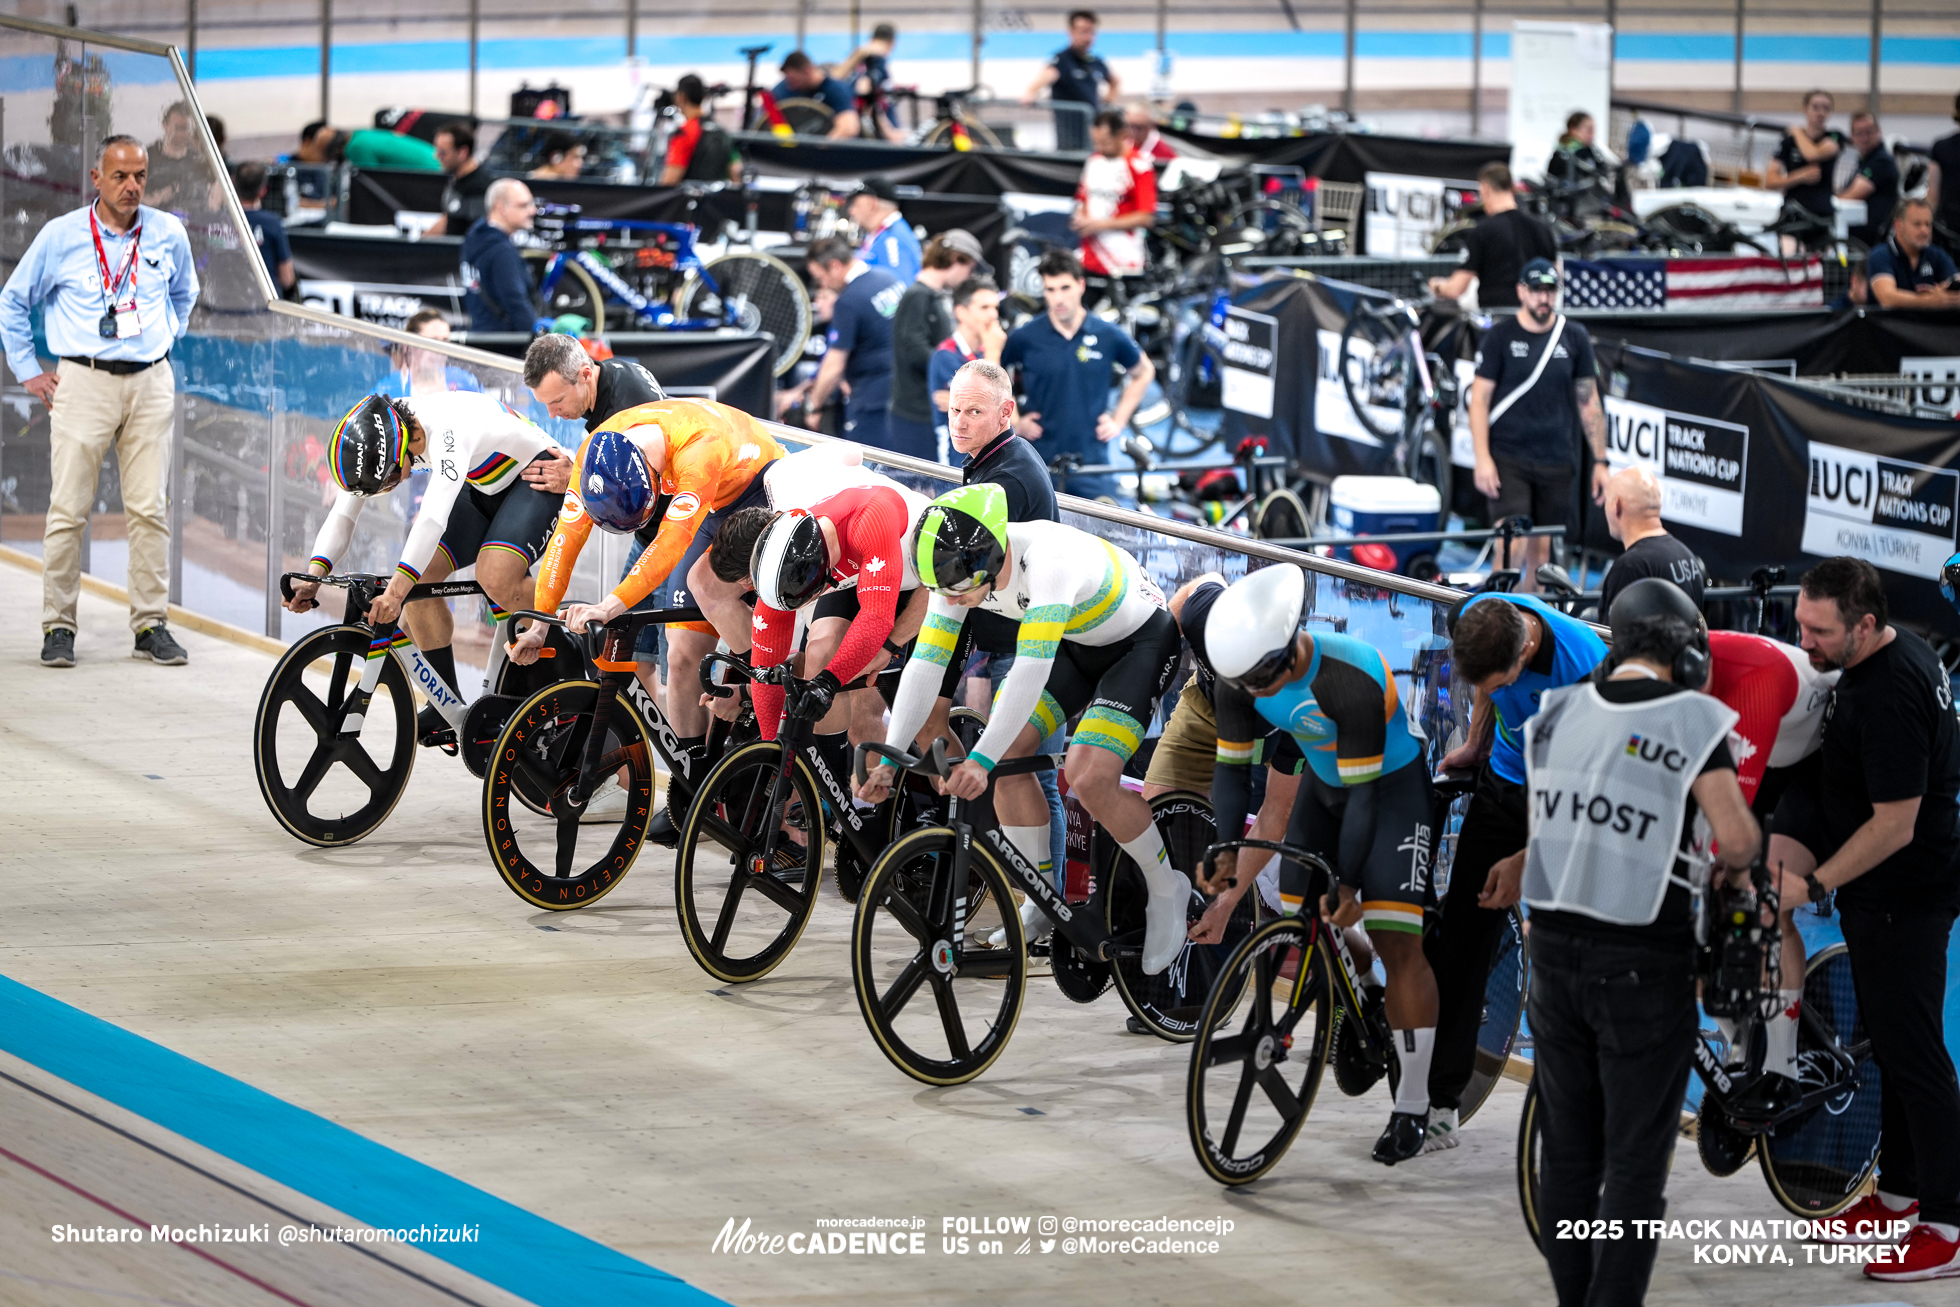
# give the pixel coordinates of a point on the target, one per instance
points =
(376, 195)
(1889, 512)
(1341, 157)
(739, 370)
(941, 171)
(1817, 343)
(377, 279)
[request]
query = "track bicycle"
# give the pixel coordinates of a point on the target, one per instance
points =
(1817, 1156)
(940, 999)
(629, 268)
(1250, 497)
(558, 747)
(1294, 1000)
(333, 745)
(751, 852)
(1402, 394)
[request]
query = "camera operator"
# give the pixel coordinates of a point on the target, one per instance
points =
(1877, 824)
(1617, 769)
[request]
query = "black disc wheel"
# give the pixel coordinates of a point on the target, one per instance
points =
(940, 999)
(544, 852)
(1505, 993)
(1817, 1164)
(743, 899)
(1259, 1052)
(1379, 367)
(806, 115)
(1170, 1002)
(1531, 1150)
(1723, 1148)
(755, 292)
(326, 784)
(1282, 515)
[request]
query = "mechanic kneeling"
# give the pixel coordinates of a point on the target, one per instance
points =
(1616, 769)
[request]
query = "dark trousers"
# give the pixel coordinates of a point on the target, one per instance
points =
(1613, 1029)
(1496, 826)
(1898, 966)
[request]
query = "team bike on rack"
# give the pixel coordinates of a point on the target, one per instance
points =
(558, 747)
(1291, 999)
(940, 997)
(334, 740)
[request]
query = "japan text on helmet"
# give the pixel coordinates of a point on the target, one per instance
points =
(791, 564)
(368, 451)
(962, 539)
(1652, 600)
(1250, 632)
(616, 483)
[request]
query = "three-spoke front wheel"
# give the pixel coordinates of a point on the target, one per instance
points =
(1260, 1049)
(940, 1002)
(741, 910)
(327, 784)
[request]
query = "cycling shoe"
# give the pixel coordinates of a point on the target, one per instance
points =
(1166, 924)
(1404, 1138)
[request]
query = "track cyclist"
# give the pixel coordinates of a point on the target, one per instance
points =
(477, 510)
(668, 472)
(1094, 634)
(1364, 804)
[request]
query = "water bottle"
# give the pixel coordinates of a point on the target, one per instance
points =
(800, 219)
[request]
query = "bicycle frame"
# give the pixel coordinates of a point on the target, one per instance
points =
(650, 312)
(393, 637)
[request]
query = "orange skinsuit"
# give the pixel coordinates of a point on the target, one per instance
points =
(712, 453)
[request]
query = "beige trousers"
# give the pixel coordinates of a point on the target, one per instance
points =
(91, 410)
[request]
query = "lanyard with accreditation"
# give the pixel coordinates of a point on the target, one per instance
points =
(119, 321)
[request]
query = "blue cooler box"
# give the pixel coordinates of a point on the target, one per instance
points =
(1387, 506)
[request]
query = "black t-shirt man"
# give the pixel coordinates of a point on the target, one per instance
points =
(1656, 555)
(1946, 153)
(1010, 463)
(463, 198)
(1675, 923)
(1890, 735)
(1541, 429)
(1079, 78)
(1814, 196)
(1882, 171)
(623, 384)
(1497, 249)
(922, 320)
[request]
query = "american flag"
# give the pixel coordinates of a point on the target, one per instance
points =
(1719, 284)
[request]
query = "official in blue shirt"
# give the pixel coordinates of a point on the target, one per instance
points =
(808, 81)
(889, 241)
(116, 285)
(268, 229)
(497, 285)
(1076, 76)
(1512, 649)
(860, 343)
(1066, 359)
(1909, 271)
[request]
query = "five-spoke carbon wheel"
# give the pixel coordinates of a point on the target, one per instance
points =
(740, 913)
(940, 1002)
(547, 856)
(326, 785)
(1260, 1049)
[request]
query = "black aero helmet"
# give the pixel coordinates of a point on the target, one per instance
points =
(962, 539)
(1653, 600)
(368, 451)
(791, 564)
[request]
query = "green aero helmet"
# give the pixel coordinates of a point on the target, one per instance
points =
(962, 539)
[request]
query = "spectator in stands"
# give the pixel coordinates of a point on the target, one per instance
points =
(1145, 139)
(1065, 358)
(1523, 415)
(1075, 76)
(1633, 517)
(1909, 271)
(924, 319)
(268, 229)
(1876, 182)
(564, 158)
(318, 143)
(469, 180)
(860, 343)
(868, 72)
(497, 285)
(700, 151)
(1115, 201)
(425, 371)
(805, 80)
(1578, 161)
(176, 173)
(977, 333)
(1497, 248)
(1943, 183)
(889, 241)
(115, 383)
(1805, 158)
(370, 147)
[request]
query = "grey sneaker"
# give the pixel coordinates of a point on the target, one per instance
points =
(58, 647)
(154, 643)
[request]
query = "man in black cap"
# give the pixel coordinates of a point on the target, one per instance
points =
(889, 241)
(1535, 383)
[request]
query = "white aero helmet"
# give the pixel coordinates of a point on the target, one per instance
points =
(791, 564)
(1249, 633)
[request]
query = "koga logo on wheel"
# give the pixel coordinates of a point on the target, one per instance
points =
(1701, 462)
(1891, 513)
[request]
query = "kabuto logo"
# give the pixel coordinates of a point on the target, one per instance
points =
(1891, 513)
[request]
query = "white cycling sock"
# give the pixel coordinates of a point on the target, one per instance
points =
(1727, 1027)
(1032, 841)
(1414, 1048)
(1170, 895)
(1894, 1203)
(1267, 879)
(1780, 1034)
